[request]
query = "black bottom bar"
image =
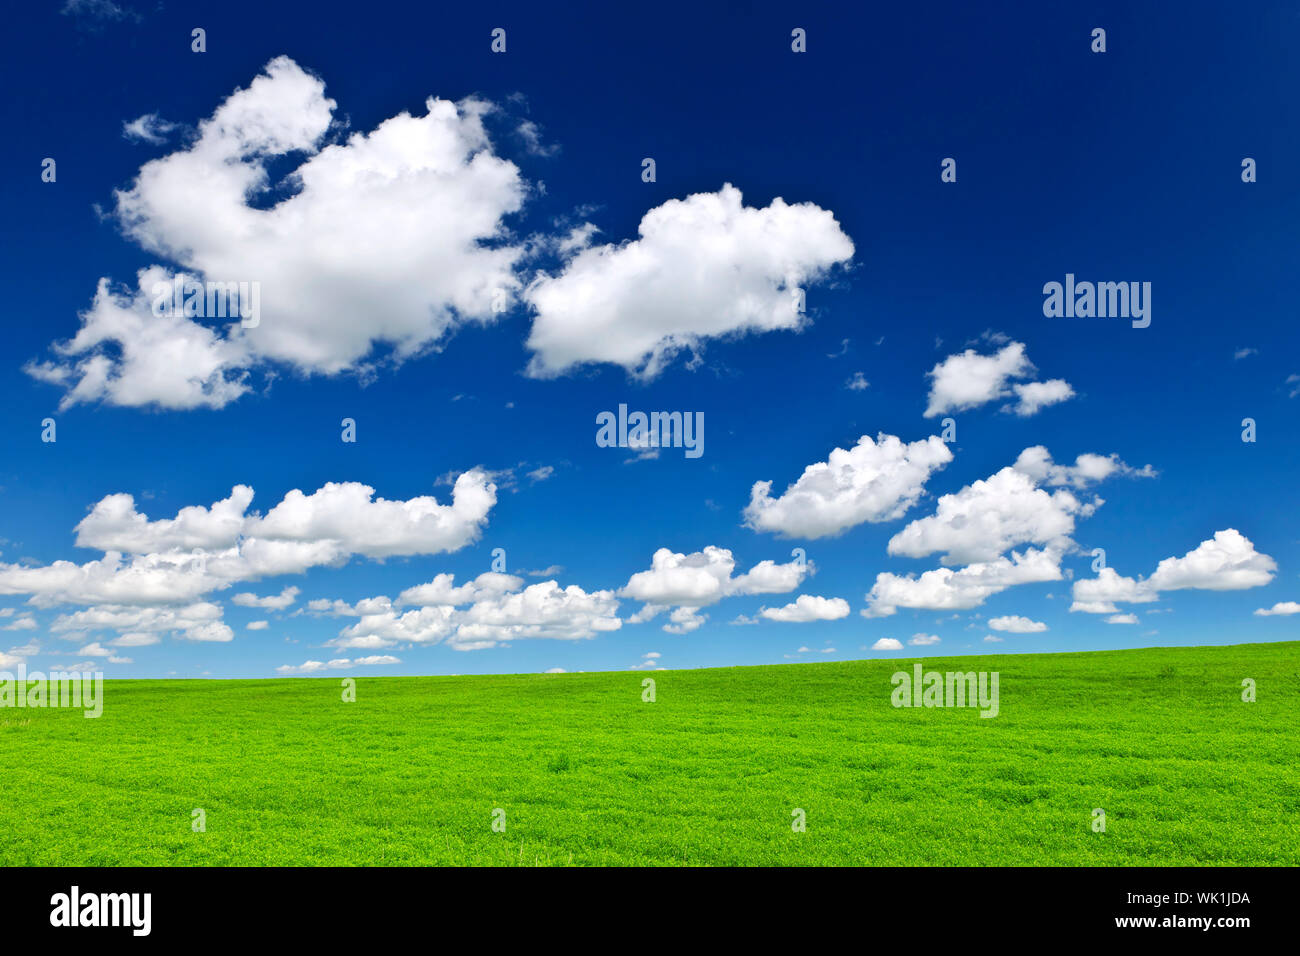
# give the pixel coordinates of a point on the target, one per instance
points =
(334, 905)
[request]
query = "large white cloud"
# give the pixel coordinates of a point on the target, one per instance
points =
(1226, 562)
(123, 354)
(978, 525)
(145, 579)
(391, 238)
(303, 531)
(1099, 595)
(703, 267)
(944, 589)
(706, 577)
(1010, 508)
(114, 525)
(542, 610)
(987, 517)
(499, 612)
(383, 626)
(689, 582)
(968, 379)
(872, 482)
(349, 513)
(201, 621)
(444, 590)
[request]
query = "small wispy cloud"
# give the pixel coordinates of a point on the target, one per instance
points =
(98, 11)
(149, 128)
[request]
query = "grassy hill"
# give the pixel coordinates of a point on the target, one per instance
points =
(708, 774)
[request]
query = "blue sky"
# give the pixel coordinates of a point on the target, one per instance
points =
(376, 268)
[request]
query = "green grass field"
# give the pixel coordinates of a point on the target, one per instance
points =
(708, 774)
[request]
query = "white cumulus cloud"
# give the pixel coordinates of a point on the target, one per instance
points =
(706, 577)
(1015, 624)
(1281, 607)
(968, 379)
(1088, 468)
(1035, 396)
(986, 518)
(1226, 562)
(387, 240)
(808, 607)
(874, 481)
(206, 549)
(703, 267)
(944, 589)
